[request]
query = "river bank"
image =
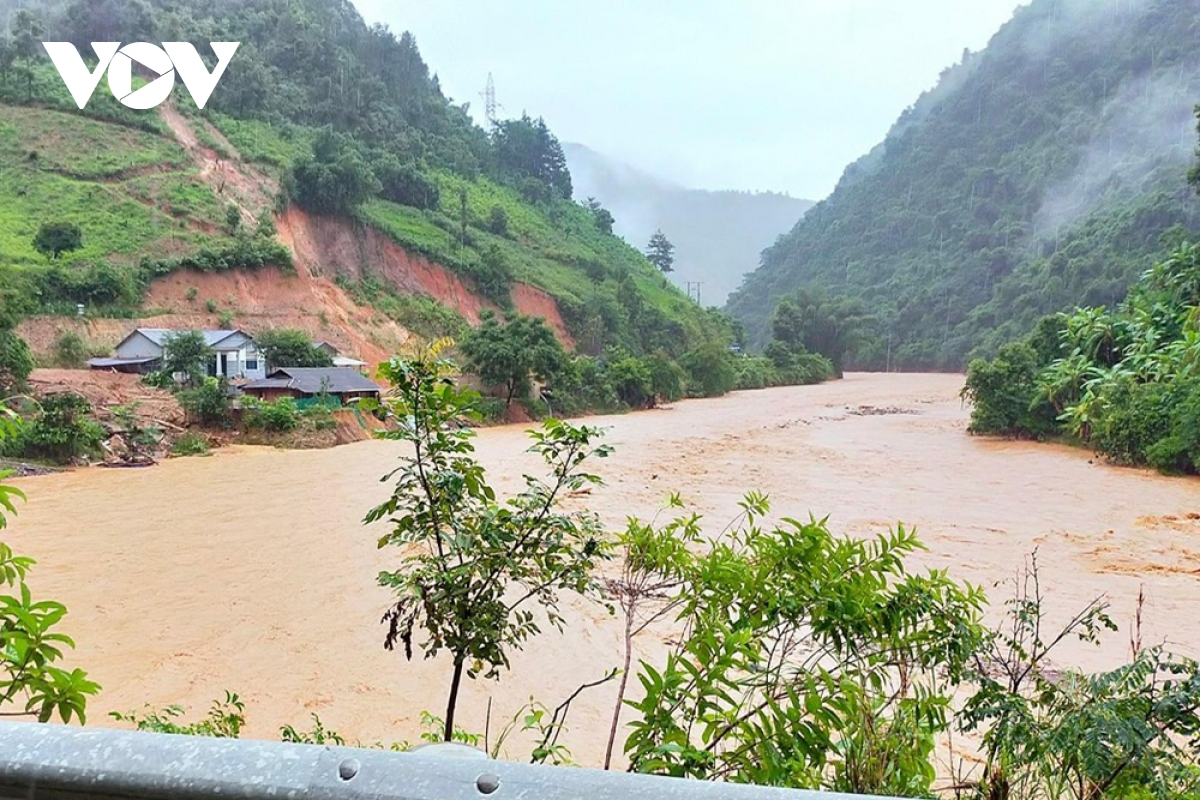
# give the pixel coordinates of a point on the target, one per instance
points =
(251, 570)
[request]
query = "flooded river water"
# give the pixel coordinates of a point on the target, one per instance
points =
(251, 571)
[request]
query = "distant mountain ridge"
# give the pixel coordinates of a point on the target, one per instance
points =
(719, 235)
(1046, 171)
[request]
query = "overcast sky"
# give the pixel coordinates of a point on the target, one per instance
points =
(715, 94)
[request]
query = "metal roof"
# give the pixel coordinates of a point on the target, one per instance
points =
(104, 363)
(312, 380)
(211, 338)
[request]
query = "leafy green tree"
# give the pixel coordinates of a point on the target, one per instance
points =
(290, 347)
(806, 660)
(832, 327)
(405, 183)
(498, 221)
(70, 350)
(632, 381)
(32, 684)
(1055, 733)
(186, 356)
(660, 252)
(334, 178)
(16, 362)
(208, 403)
(472, 569)
(28, 30)
(61, 430)
(710, 370)
(511, 354)
(55, 238)
(601, 215)
(525, 148)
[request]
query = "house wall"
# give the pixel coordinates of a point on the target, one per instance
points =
(271, 395)
(243, 362)
(138, 346)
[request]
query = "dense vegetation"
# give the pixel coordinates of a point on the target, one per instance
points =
(1124, 381)
(1041, 173)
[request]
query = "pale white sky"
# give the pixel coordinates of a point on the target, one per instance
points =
(714, 94)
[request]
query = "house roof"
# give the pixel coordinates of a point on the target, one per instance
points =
(105, 363)
(311, 380)
(211, 338)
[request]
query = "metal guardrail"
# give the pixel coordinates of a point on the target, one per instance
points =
(50, 762)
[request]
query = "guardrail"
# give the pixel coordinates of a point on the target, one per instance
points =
(50, 762)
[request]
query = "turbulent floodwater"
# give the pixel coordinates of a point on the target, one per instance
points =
(251, 571)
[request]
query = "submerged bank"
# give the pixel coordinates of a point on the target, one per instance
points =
(251, 570)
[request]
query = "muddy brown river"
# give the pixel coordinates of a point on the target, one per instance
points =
(251, 571)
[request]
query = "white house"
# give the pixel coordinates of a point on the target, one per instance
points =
(235, 355)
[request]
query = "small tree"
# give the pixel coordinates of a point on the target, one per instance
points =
(511, 354)
(55, 238)
(474, 573)
(16, 363)
(660, 252)
(27, 34)
(31, 684)
(601, 216)
(186, 353)
(291, 347)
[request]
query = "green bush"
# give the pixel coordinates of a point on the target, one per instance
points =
(1135, 417)
(70, 350)
(631, 380)
(61, 431)
(710, 370)
(16, 363)
(667, 379)
(191, 444)
(207, 404)
(279, 416)
(1004, 394)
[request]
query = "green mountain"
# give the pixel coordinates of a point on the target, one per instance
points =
(1041, 173)
(718, 235)
(327, 184)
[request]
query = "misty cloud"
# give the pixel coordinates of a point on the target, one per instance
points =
(1147, 127)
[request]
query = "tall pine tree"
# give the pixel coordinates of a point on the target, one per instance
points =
(660, 252)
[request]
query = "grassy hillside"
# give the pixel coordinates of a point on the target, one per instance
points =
(136, 189)
(1041, 173)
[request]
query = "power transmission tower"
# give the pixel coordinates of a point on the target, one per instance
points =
(697, 284)
(490, 105)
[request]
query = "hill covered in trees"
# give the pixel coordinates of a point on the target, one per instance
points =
(1044, 172)
(327, 150)
(718, 235)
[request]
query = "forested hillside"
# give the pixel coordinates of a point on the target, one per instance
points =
(719, 236)
(1041, 173)
(329, 145)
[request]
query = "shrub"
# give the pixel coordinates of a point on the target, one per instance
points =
(279, 416)
(631, 380)
(191, 444)
(207, 404)
(70, 350)
(16, 363)
(710, 370)
(667, 378)
(1004, 394)
(225, 320)
(1135, 416)
(210, 305)
(62, 431)
(498, 221)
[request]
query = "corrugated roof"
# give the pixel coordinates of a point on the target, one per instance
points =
(312, 380)
(104, 363)
(211, 338)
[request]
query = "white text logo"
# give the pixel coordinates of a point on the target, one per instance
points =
(165, 62)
